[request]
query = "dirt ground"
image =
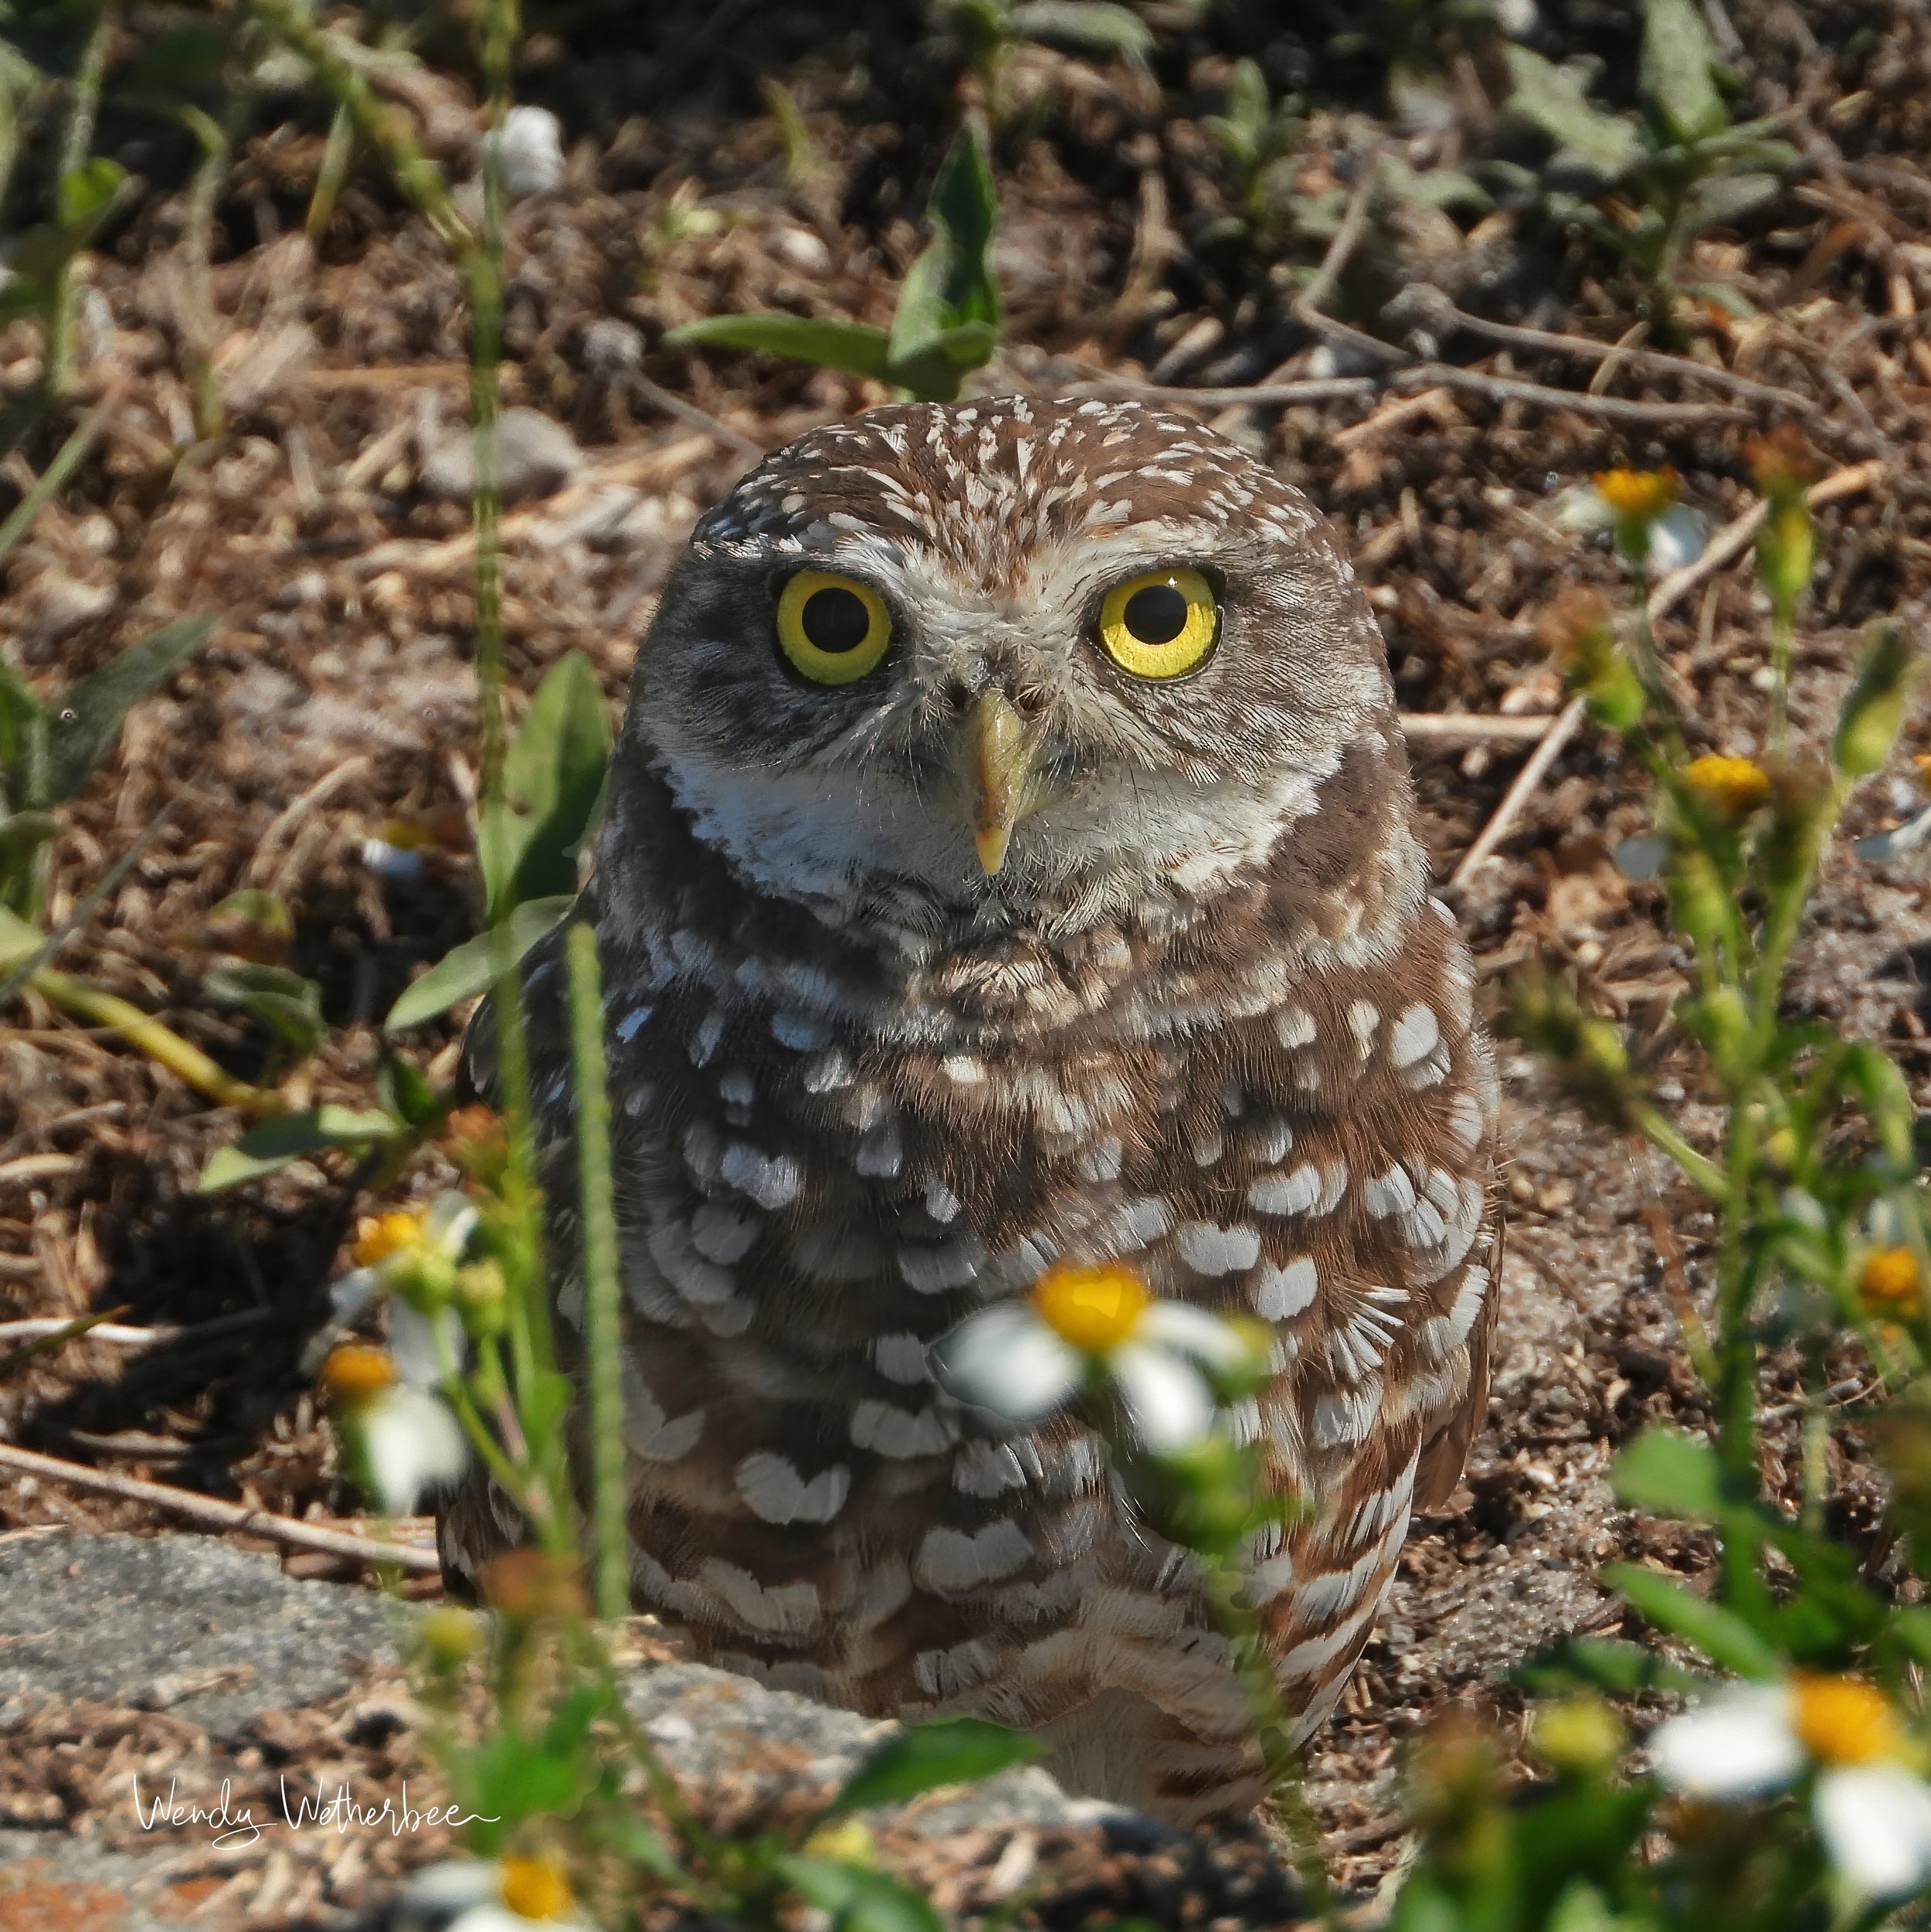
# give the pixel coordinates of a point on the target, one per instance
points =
(334, 705)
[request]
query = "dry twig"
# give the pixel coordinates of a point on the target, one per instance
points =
(214, 1514)
(1729, 544)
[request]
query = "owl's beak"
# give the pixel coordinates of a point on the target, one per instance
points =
(995, 757)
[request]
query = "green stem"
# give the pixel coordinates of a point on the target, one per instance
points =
(217, 139)
(332, 58)
(181, 1058)
(1783, 636)
(1700, 1168)
(603, 1337)
(63, 354)
(336, 153)
(66, 458)
(514, 1481)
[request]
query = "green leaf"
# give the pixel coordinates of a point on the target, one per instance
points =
(274, 1143)
(934, 372)
(470, 968)
(1670, 1474)
(21, 836)
(855, 347)
(266, 912)
(1719, 199)
(1721, 1634)
(951, 282)
(83, 195)
(86, 719)
(1448, 188)
(1555, 100)
(1244, 125)
(858, 1900)
(17, 939)
(403, 1088)
(1098, 24)
(637, 1842)
(23, 738)
(948, 1750)
(512, 1779)
(288, 1005)
(1676, 77)
(552, 779)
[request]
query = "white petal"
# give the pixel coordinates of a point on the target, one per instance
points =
(1192, 1331)
(350, 1295)
(410, 1439)
(492, 1917)
(1737, 1744)
(1875, 1822)
(412, 1343)
(1676, 539)
(455, 1882)
(1168, 1404)
(1009, 1361)
(1583, 506)
(449, 1223)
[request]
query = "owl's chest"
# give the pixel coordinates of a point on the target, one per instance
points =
(819, 1168)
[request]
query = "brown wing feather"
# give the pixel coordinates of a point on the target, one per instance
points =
(1445, 1453)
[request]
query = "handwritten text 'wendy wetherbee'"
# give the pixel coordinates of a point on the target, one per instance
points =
(335, 1808)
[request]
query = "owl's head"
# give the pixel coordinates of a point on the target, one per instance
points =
(1007, 661)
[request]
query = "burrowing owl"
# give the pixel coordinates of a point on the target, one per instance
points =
(1009, 857)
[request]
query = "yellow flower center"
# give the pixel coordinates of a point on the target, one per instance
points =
(1889, 1283)
(535, 1888)
(1733, 785)
(355, 1372)
(1093, 1308)
(380, 1236)
(1843, 1720)
(1639, 495)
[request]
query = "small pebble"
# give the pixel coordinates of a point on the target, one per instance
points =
(532, 152)
(536, 457)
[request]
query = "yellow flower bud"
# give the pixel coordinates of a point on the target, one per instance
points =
(380, 1236)
(1638, 495)
(1843, 1720)
(1889, 1285)
(536, 1888)
(849, 1840)
(1736, 786)
(1093, 1308)
(355, 1373)
(449, 1636)
(1580, 1734)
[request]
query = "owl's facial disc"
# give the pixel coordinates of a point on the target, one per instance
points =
(1007, 662)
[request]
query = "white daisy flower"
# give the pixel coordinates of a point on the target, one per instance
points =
(1872, 1809)
(478, 1895)
(1640, 507)
(405, 1438)
(1023, 1360)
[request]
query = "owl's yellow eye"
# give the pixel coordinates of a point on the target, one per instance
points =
(832, 629)
(1159, 623)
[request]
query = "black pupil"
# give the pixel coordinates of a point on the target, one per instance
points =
(1156, 614)
(835, 620)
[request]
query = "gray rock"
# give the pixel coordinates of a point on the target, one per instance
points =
(215, 1635)
(537, 456)
(184, 1624)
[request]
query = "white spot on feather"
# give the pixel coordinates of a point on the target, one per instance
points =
(953, 1560)
(773, 1489)
(1279, 1292)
